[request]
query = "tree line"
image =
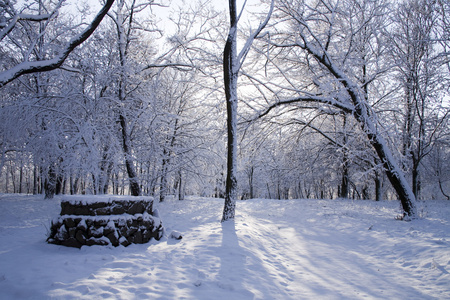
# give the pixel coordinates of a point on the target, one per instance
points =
(324, 99)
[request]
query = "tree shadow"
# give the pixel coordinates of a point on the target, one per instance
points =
(232, 263)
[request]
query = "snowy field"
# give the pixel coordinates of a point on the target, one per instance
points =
(288, 249)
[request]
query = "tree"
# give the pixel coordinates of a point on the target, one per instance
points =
(422, 75)
(232, 63)
(314, 37)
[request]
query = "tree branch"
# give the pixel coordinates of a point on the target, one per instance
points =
(54, 63)
(346, 108)
(252, 37)
(25, 17)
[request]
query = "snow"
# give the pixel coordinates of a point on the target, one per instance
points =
(89, 199)
(288, 249)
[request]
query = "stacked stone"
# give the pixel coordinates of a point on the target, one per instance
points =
(105, 222)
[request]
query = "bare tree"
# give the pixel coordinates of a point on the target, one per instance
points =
(421, 67)
(314, 39)
(232, 63)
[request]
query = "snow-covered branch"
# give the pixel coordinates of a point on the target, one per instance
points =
(315, 99)
(180, 66)
(25, 17)
(28, 67)
(251, 38)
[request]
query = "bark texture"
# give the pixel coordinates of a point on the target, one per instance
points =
(230, 68)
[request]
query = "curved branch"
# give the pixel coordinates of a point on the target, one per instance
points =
(54, 63)
(25, 17)
(346, 108)
(251, 38)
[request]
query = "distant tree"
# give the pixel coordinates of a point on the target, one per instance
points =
(423, 76)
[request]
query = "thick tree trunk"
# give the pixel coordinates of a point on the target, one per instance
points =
(393, 170)
(230, 80)
(60, 183)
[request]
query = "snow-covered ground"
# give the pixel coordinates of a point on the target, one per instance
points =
(288, 249)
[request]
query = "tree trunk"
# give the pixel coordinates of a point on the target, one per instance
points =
(20, 178)
(135, 189)
(250, 182)
(134, 185)
(378, 187)
(50, 183)
(230, 70)
(344, 183)
(35, 180)
(163, 185)
(345, 162)
(181, 185)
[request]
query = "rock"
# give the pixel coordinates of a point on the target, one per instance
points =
(136, 208)
(80, 236)
(123, 241)
(82, 225)
(138, 237)
(69, 222)
(95, 231)
(95, 241)
(72, 231)
(62, 233)
(71, 242)
(118, 210)
(113, 238)
(176, 235)
(100, 222)
(109, 228)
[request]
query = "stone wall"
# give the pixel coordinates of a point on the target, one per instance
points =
(107, 221)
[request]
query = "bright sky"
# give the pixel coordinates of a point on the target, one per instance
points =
(164, 12)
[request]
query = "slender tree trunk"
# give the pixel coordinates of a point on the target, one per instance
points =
(132, 177)
(250, 182)
(378, 187)
(345, 163)
(35, 180)
(345, 175)
(20, 179)
(163, 185)
(181, 185)
(415, 177)
(50, 183)
(6, 180)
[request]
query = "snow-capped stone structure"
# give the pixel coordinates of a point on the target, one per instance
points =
(105, 221)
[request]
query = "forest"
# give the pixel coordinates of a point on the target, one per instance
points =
(285, 99)
(302, 108)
